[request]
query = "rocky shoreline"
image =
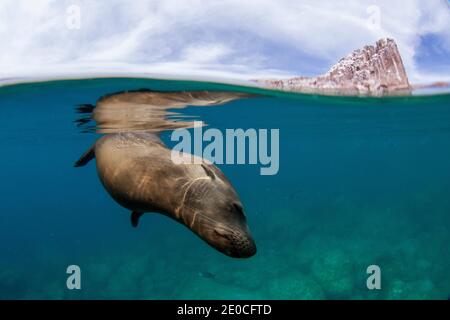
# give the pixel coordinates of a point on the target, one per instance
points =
(376, 70)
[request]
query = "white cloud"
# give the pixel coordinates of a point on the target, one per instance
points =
(228, 37)
(205, 52)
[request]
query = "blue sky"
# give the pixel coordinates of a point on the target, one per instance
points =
(228, 38)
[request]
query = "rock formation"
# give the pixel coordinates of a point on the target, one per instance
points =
(371, 71)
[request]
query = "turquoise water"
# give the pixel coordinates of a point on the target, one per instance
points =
(362, 181)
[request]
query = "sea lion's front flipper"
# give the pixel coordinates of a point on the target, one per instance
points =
(135, 218)
(86, 157)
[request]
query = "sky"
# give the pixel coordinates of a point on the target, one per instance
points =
(241, 39)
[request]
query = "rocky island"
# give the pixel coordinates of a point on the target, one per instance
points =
(371, 71)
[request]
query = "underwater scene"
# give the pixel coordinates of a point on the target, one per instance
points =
(360, 182)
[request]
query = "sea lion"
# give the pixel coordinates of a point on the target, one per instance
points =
(137, 171)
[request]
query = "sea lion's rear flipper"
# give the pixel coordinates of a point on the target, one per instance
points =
(86, 157)
(135, 218)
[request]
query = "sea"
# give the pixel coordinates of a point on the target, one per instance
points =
(363, 184)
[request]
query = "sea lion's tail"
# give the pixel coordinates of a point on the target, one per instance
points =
(86, 157)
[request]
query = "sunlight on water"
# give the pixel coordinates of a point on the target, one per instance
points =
(362, 181)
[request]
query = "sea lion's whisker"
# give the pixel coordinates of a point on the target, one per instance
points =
(214, 222)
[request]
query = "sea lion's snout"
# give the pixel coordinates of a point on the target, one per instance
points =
(234, 244)
(245, 248)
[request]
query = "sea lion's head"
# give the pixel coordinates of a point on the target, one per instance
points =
(228, 231)
(214, 212)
